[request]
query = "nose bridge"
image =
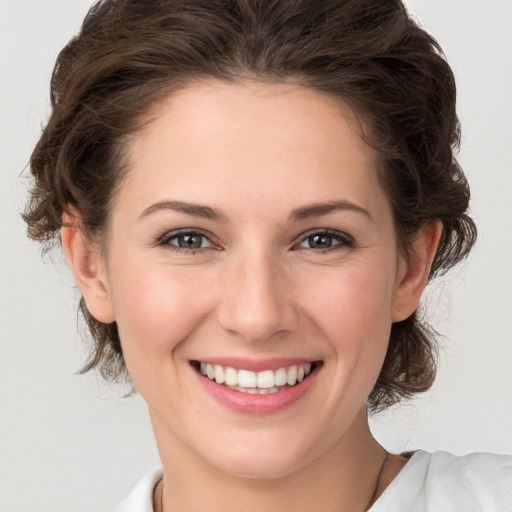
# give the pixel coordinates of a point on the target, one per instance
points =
(257, 304)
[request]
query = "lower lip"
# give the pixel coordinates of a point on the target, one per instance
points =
(246, 403)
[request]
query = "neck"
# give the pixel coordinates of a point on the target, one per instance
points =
(346, 477)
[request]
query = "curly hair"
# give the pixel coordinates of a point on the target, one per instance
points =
(131, 54)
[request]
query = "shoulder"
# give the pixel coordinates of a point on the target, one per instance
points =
(443, 481)
(140, 498)
(481, 469)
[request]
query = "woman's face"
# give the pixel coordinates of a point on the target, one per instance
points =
(251, 235)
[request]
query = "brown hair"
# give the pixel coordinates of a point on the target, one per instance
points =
(131, 54)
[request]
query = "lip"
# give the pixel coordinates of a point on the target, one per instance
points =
(246, 403)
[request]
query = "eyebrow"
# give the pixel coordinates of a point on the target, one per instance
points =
(193, 209)
(206, 212)
(319, 209)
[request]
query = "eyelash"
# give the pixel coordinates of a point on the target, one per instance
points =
(345, 241)
(166, 241)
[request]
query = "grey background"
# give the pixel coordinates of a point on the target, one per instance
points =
(69, 443)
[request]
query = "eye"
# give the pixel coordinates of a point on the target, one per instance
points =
(186, 241)
(326, 240)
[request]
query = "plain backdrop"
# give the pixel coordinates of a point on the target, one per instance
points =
(69, 443)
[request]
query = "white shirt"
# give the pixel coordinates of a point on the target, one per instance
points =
(437, 482)
(441, 482)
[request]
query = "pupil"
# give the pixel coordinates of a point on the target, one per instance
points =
(190, 241)
(320, 241)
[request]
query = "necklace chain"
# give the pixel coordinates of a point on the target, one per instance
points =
(377, 482)
(370, 503)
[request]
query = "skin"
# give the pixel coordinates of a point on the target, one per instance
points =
(255, 289)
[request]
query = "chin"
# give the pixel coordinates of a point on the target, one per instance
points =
(262, 460)
(260, 468)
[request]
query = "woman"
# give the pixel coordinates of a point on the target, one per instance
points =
(251, 197)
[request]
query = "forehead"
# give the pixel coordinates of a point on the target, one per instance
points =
(216, 141)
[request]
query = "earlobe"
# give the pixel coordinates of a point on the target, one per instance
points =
(414, 271)
(88, 268)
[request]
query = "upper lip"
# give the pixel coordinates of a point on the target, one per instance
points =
(256, 365)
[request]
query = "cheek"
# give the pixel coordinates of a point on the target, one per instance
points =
(352, 311)
(156, 310)
(356, 300)
(351, 314)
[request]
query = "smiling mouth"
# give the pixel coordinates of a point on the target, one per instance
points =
(256, 383)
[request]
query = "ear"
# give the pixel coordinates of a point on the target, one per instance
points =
(414, 271)
(88, 267)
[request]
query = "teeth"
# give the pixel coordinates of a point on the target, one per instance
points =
(280, 376)
(219, 374)
(267, 381)
(253, 391)
(291, 375)
(246, 379)
(231, 376)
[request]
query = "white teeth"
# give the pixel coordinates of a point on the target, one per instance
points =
(291, 375)
(246, 379)
(255, 391)
(231, 376)
(219, 374)
(267, 381)
(280, 377)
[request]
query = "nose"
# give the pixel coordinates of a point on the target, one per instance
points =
(257, 302)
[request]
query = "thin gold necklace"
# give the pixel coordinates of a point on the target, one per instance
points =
(370, 503)
(377, 483)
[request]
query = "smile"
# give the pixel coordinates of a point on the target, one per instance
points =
(256, 383)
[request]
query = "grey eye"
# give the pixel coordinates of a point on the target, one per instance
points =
(190, 241)
(186, 240)
(326, 240)
(320, 241)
